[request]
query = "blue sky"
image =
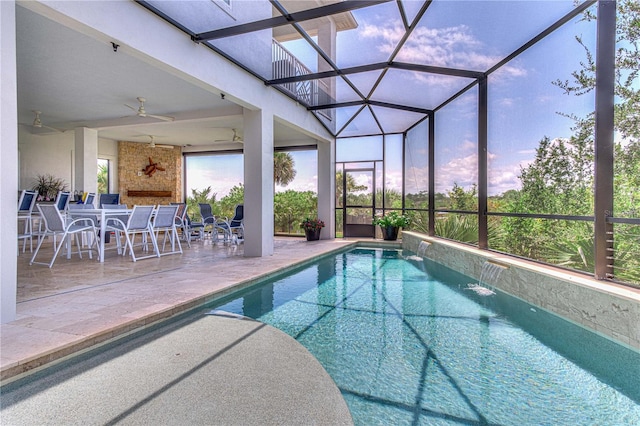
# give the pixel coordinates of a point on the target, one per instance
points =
(523, 103)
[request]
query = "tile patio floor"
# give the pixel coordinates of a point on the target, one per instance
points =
(80, 303)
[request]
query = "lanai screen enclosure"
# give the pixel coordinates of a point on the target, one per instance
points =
(488, 122)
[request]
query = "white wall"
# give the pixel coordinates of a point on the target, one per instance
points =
(45, 154)
(8, 161)
(55, 154)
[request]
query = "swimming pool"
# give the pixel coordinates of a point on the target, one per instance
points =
(407, 342)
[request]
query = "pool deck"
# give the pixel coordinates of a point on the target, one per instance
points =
(80, 303)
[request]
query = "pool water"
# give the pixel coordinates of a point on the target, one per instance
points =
(407, 342)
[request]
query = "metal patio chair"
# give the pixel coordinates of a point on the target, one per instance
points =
(104, 199)
(26, 203)
(186, 226)
(211, 224)
(90, 200)
(62, 200)
(56, 225)
(235, 227)
(165, 220)
(138, 222)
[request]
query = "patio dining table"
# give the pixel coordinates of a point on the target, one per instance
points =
(103, 215)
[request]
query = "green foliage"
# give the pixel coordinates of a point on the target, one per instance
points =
(419, 200)
(393, 218)
(198, 197)
(228, 203)
(463, 228)
(561, 178)
(311, 224)
(103, 178)
(463, 200)
(48, 186)
(289, 206)
(419, 221)
(351, 185)
(392, 198)
(572, 249)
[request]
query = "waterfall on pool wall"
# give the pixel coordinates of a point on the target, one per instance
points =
(490, 273)
(422, 248)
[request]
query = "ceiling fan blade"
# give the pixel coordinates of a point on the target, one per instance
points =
(52, 128)
(160, 117)
(129, 106)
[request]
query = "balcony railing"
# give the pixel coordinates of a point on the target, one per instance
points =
(308, 92)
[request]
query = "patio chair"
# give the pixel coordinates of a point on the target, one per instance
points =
(104, 199)
(75, 208)
(208, 220)
(123, 218)
(165, 220)
(215, 227)
(188, 228)
(90, 200)
(235, 226)
(62, 200)
(139, 222)
(26, 203)
(56, 225)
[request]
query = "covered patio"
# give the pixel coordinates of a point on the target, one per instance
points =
(82, 303)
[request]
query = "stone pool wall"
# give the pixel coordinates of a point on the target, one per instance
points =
(609, 309)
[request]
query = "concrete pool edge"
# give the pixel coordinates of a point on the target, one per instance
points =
(215, 368)
(608, 309)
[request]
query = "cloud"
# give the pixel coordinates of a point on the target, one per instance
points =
(507, 102)
(452, 47)
(460, 170)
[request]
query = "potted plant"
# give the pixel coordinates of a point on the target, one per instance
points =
(48, 187)
(312, 228)
(390, 224)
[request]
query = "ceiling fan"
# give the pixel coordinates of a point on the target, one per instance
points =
(234, 138)
(37, 123)
(141, 112)
(153, 144)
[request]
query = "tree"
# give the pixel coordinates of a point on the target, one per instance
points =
(352, 186)
(103, 178)
(290, 207)
(283, 168)
(204, 196)
(463, 200)
(229, 202)
(560, 180)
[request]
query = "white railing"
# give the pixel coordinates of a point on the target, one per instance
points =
(285, 64)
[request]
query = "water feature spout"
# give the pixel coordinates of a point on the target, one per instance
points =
(490, 273)
(422, 248)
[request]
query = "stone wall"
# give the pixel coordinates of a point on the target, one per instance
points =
(133, 158)
(607, 308)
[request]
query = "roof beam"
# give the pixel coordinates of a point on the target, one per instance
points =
(372, 103)
(378, 66)
(291, 18)
(437, 70)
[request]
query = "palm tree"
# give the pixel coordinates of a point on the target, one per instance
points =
(283, 168)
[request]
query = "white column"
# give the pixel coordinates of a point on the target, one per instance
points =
(327, 188)
(86, 160)
(8, 162)
(327, 35)
(258, 183)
